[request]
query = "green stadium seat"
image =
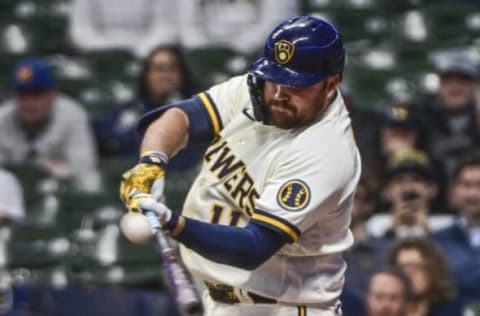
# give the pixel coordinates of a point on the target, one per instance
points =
(30, 177)
(110, 258)
(48, 34)
(112, 170)
(134, 275)
(35, 246)
(77, 208)
(449, 22)
(74, 87)
(353, 23)
(367, 86)
(211, 65)
(393, 7)
(111, 64)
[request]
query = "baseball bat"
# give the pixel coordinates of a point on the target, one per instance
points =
(178, 279)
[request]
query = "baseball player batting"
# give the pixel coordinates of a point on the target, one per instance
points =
(266, 221)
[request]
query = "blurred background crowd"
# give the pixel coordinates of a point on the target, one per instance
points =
(75, 76)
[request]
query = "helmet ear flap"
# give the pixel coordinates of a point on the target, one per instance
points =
(255, 88)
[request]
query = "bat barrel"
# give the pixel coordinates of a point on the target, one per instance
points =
(182, 287)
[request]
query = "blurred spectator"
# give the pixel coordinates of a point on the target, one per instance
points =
(451, 121)
(239, 25)
(366, 255)
(408, 194)
(461, 241)
(40, 126)
(362, 209)
(365, 123)
(137, 25)
(164, 78)
(385, 133)
(400, 130)
(352, 304)
(12, 208)
(432, 289)
(388, 293)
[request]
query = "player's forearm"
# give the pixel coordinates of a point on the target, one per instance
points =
(245, 248)
(168, 133)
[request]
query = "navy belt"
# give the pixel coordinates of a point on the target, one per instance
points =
(226, 294)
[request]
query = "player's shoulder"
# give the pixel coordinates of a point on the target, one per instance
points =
(230, 97)
(236, 81)
(234, 87)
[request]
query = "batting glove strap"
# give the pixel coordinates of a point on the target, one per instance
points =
(154, 157)
(174, 226)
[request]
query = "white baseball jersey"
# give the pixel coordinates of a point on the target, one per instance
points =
(299, 181)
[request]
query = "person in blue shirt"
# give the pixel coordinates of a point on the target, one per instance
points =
(164, 78)
(461, 241)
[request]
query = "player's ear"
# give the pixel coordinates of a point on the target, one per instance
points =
(333, 81)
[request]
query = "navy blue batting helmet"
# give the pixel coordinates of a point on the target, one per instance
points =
(300, 52)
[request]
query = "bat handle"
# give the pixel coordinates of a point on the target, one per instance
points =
(157, 227)
(152, 218)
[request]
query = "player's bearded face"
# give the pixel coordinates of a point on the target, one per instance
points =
(293, 107)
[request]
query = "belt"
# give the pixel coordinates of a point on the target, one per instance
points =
(227, 294)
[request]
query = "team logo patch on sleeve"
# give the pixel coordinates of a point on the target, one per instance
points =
(294, 195)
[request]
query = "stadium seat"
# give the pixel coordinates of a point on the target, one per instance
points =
(353, 23)
(36, 246)
(31, 178)
(449, 22)
(48, 35)
(212, 65)
(107, 257)
(112, 170)
(111, 64)
(77, 208)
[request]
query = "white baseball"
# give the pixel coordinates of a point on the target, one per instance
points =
(136, 227)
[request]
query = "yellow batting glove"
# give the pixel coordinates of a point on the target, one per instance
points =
(133, 200)
(139, 180)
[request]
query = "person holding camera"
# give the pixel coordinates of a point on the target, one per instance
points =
(408, 196)
(403, 209)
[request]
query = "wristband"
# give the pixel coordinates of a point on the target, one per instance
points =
(154, 157)
(174, 226)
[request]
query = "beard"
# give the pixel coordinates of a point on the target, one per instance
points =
(282, 114)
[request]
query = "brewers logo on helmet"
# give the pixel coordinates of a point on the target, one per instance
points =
(283, 51)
